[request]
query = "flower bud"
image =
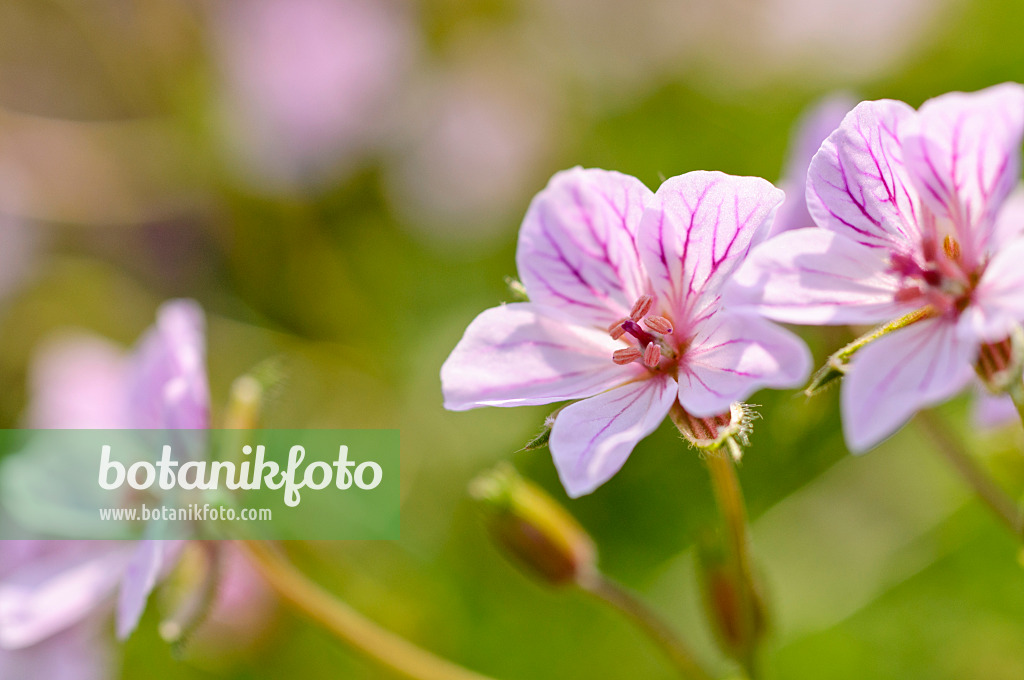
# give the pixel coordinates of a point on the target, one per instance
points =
(730, 429)
(999, 364)
(531, 527)
(733, 604)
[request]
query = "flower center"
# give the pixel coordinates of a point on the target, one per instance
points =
(646, 346)
(941, 281)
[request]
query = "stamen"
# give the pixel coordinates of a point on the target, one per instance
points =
(659, 324)
(617, 331)
(908, 293)
(952, 248)
(641, 307)
(626, 356)
(652, 355)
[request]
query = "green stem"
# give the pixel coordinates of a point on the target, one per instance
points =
(373, 642)
(649, 622)
(948, 444)
(729, 497)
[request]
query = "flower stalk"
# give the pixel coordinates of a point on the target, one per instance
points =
(365, 637)
(549, 544)
(948, 445)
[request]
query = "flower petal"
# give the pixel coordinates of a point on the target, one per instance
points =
(811, 130)
(733, 356)
(998, 302)
(965, 155)
(77, 381)
(592, 439)
(167, 387)
(696, 230)
(518, 354)
(900, 373)
(858, 185)
(1010, 220)
(814, 276)
(61, 583)
(152, 559)
(577, 250)
(990, 411)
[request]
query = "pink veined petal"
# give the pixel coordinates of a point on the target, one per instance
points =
(733, 356)
(990, 411)
(592, 439)
(814, 276)
(695, 231)
(1010, 220)
(858, 184)
(150, 562)
(577, 250)
(964, 155)
(811, 130)
(998, 302)
(900, 373)
(167, 383)
(518, 354)
(61, 584)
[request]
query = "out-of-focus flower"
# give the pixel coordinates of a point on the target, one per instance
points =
(909, 208)
(813, 128)
(87, 383)
(625, 313)
(470, 153)
(75, 653)
(308, 84)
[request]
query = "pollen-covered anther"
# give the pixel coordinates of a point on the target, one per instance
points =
(626, 356)
(641, 307)
(659, 324)
(652, 355)
(951, 247)
(617, 330)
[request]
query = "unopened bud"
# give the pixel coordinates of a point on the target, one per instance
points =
(733, 604)
(999, 364)
(533, 529)
(730, 429)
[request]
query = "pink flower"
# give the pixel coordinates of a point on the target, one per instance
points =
(910, 209)
(87, 383)
(309, 83)
(73, 653)
(625, 315)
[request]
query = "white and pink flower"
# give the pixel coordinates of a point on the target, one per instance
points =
(912, 214)
(625, 315)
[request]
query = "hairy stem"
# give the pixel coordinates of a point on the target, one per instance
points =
(729, 496)
(995, 497)
(649, 622)
(375, 643)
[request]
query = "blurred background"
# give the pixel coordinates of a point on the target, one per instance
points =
(341, 182)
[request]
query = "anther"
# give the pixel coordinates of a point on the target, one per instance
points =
(652, 355)
(641, 307)
(626, 356)
(616, 330)
(659, 324)
(952, 248)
